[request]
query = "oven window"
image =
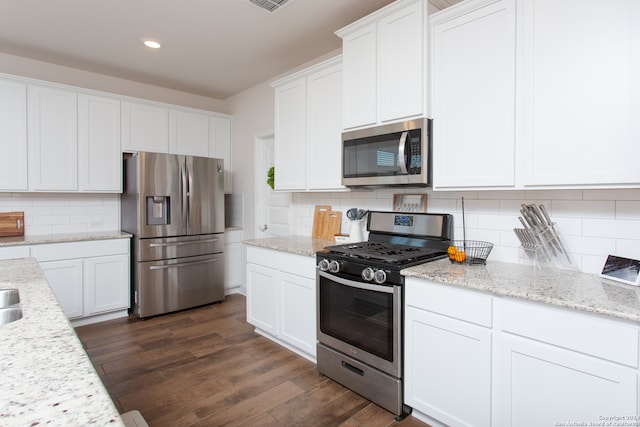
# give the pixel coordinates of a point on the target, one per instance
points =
(361, 318)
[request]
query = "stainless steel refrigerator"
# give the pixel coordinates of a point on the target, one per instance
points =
(174, 207)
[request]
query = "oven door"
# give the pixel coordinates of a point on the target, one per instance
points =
(361, 320)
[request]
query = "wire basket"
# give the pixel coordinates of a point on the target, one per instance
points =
(471, 252)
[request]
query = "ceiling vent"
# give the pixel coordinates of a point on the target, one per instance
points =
(269, 5)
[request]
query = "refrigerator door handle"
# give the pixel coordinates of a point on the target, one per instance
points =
(182, 264)
(184, 189)
(190, 242)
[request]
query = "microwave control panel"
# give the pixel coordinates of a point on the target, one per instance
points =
(415, 157)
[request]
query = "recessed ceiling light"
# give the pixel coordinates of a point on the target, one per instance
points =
(152, 43)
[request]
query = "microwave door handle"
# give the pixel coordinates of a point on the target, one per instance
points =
(401, 152)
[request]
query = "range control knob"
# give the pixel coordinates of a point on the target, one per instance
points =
(334, 266)
(367, 274)
(323, 265)
(379, 277)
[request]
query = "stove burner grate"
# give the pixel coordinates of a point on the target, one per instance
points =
(385, 252)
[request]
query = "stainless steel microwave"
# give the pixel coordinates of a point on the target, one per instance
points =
(393, 154)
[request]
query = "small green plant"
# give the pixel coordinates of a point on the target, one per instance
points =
(270, 177)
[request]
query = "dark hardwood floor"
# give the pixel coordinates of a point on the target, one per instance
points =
(206, 367)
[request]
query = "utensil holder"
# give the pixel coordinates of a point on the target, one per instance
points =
(357, 231)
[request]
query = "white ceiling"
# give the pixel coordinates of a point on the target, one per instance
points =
(213, 48)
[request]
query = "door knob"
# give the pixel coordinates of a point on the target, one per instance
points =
(263, 227)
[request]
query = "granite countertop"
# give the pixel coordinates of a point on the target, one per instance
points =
(564, 288)
(61, 238)
(46, 378)
(301, 245)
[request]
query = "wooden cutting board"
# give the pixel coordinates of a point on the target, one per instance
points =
(11, 224)
(326, 223)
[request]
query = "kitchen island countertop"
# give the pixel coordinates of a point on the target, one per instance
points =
(46, 377)
(564, 288)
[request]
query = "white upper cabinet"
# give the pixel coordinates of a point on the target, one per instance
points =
(308, 126)
(53, 139)
(99, 154)
(384, 65)
(145, 127)
(220, 146)
(188, 133)
(359, 74)
(581, 92)
(402, 71)
(473, 95)
(548, 97)
(324, 129)
(291, 135)
(13, 135)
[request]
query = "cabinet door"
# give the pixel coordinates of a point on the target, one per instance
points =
(65, 279)
(53, 139)
(106, 284)
(145, 127)
(263, 298)
(13, 136)
(324, 129)
(298, 314)
(581, 92)
(539, 384)
(360, 59)
(188, 133)
(99, 152)
(220, 146)
(448, 369)
(401, 63)
(233, 265)
(473, 95)
(290, 135)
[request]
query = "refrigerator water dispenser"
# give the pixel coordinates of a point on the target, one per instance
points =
(158, 210)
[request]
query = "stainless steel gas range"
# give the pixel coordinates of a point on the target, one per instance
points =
(360, 299)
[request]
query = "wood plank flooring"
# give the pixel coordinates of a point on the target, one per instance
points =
(206, 367)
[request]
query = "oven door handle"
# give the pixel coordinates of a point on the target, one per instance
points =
(354, 284)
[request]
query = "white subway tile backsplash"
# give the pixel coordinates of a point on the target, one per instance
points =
(627, 209)
(64, 213)
(593, 223)
(584, 209)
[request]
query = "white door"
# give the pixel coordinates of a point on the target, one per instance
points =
(273, 208)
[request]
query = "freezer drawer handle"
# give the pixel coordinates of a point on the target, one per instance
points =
(190, 242)
(181, 264)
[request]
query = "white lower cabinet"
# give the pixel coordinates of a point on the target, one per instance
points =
(576, 367)
(472, 359)
(447, 356)
(90, 279)
(65, 279)
(281, 298)
(234, 260)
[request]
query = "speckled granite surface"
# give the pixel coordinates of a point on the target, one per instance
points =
(586, 292)
(46, 378)
(60, 238)
(301, 245)
(564, 288)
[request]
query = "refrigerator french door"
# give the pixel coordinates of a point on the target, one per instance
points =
(174, 207)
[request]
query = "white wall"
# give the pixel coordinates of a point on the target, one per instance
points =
(25, 67)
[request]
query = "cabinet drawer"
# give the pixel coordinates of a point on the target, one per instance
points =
(14, 252)
(449, 301)
(71, 250)
(607, 339)
(299, 265)
(263, 256)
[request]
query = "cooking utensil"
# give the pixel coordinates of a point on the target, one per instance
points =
(352, 214)
(361, 214)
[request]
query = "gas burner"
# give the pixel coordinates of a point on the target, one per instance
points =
(385, 252)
